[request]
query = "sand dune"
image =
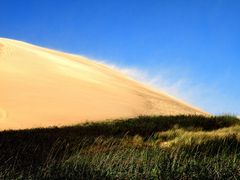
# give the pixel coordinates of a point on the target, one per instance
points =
(42, 87)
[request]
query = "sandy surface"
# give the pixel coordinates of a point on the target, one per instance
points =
(41, 87)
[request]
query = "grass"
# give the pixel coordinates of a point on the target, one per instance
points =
(156, 147)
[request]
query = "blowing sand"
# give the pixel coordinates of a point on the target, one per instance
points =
(41, 87)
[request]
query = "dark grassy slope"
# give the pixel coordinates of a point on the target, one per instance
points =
(149, 147)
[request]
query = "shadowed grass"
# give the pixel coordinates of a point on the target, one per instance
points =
(167, 147)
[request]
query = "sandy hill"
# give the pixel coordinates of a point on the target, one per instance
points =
(42, 87)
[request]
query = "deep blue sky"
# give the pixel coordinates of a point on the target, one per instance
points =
(192, 47)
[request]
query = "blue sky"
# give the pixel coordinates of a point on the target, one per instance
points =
(190, 48)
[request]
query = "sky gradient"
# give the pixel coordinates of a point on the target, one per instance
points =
(189, 48)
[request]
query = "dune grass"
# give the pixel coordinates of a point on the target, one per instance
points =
(147, 147)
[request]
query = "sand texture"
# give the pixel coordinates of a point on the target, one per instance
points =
(40, 87)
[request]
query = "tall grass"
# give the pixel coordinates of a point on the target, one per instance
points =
(157, 147)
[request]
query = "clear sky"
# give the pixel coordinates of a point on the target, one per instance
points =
(190, 48)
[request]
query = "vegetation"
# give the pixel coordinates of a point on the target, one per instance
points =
(156, 147)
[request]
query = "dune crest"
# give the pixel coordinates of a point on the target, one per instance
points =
(43, 87)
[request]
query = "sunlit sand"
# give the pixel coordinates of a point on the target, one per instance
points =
(41, 87)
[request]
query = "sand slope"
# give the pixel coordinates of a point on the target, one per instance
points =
(42, 87)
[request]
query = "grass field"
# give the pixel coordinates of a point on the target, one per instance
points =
(156, 147)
